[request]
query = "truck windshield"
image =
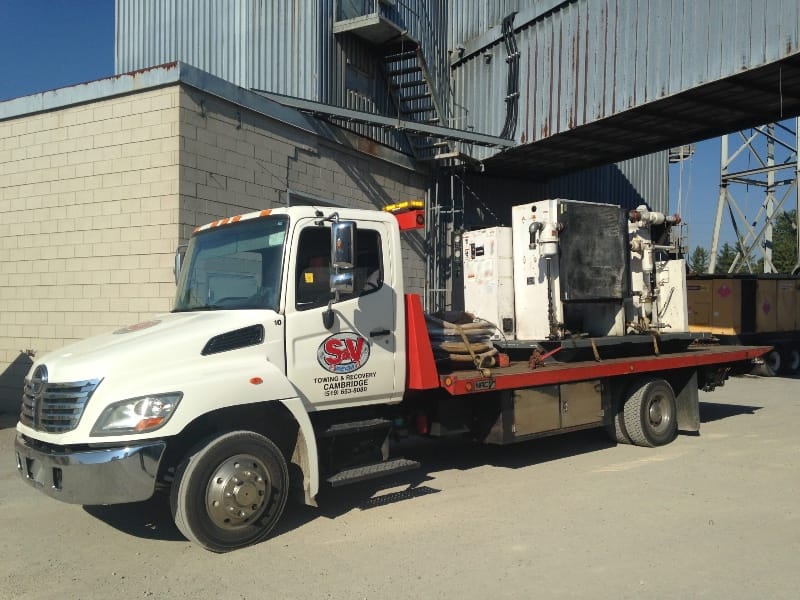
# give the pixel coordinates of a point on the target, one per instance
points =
(234, 267)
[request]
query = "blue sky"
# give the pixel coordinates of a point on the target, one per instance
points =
(699, 190)
(700, 186)
(47, 44)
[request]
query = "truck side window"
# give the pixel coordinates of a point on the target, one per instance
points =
(313, 267)
(369, 262)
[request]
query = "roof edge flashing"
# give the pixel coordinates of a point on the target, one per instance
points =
(180, 73)
(91, 91)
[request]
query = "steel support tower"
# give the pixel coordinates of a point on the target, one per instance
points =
(778, 180)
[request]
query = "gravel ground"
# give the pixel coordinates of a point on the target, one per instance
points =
(709, 516)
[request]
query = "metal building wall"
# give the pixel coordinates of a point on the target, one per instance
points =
(357, 64)
(470, 18)
(288, 47)
(641, 180)
(427, 21)
(282, 46)
(263, 44)
(584, 60)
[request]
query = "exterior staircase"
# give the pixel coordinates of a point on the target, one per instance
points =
(413, 92)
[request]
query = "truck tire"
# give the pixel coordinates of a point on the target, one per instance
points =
(774, 361)
(231, 492)
(651, 414)
(791, 360)
(615, 428)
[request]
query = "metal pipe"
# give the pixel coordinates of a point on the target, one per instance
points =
(796, 269)
(770, 200)
(551, 313)
(723, 192)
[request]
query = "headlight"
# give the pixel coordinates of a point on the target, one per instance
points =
(137, 415)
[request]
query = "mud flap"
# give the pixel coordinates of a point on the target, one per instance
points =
(687, 401)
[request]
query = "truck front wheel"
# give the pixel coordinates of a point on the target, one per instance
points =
(651, 414)
(231, 492)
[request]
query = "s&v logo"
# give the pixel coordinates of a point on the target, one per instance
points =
(343, 353)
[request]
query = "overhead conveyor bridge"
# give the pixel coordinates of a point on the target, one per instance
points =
(601, 81)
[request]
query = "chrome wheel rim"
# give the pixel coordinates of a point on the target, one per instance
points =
(237, 492)
(659, 416)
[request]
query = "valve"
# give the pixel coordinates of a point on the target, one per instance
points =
(642, 215)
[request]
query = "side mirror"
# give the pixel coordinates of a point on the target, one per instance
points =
(343, 244)
(343, 254)
(180, 252)
(343, 283)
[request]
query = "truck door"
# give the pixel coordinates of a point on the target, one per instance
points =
(354, 362)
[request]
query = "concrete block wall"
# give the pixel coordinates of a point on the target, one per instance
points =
(88, 224)
(233, 161)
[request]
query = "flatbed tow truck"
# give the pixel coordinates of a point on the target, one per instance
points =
(281, 368)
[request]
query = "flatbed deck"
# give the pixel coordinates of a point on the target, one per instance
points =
(519, 375)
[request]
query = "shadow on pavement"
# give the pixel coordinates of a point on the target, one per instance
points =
(152, 519)
(8, 420)
(712, 411)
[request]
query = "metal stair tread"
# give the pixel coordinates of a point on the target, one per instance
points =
(357, 474)
(409, 84)
(415, 97)
(421, 109)
(404, 71)
(356, 427)
(407, 55)
(433, 145)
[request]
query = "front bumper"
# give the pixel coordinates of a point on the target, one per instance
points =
(101, 476)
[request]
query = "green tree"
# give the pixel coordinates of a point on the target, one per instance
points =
(698, 261)
(725, 258)
(784, 242)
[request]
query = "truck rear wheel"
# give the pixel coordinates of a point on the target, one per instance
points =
(231, 492)
(774, 361)
(791, 360)
(616, 426)
(651, 414)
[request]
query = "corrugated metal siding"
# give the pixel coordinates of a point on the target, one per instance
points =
(642, 180)
(590, 59)
(263, 44)
(286, 47)
(427, 22)
(358, 84)
(470, 18)
(283, 46)
(356, 79)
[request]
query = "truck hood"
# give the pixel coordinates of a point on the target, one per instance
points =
(163, 341)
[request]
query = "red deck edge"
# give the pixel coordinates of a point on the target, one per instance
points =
(470, 382)
(421, 371)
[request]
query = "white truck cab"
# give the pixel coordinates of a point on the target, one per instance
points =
(219, 392)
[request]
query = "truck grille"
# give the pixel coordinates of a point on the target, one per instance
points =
(57, 407)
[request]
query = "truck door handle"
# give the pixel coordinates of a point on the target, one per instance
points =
(379, 332)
